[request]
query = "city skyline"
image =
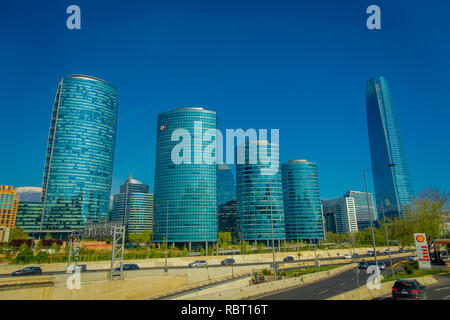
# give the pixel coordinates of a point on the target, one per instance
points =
(159, 79)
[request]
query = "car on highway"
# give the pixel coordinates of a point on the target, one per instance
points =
(413, 258)
(128, 266)
(347, 256)
(408, 290)
(28, 271)
(198, 264)
(288, 259)
(402, 250)
(387, 251)
(227, 262)
(363, 265)
(382, 265)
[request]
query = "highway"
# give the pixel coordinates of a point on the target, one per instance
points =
(326, 288)
(344, 261)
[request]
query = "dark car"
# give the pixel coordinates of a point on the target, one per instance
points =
(130, 266)
(28, 271)
(362, 265)
(228, 262)
(288, 259)
(381, 265)
(402, 250)
(408, 290)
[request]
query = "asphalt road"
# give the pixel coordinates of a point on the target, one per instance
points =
(436, 291)
(326, 288)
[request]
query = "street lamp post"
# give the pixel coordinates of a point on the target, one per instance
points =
(370, 219)
(273, 240)
(370, 212)
(387, 238)
(167, 235)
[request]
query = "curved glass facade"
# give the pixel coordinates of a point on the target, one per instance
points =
(259, 196)
(185, 197)
(80, 153)
(393, 187)
(302, 205)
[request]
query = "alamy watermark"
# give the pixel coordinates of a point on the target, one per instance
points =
(207, 147)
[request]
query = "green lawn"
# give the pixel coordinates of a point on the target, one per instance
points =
(302, 271)
(415, 274)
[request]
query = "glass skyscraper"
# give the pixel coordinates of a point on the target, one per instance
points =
(226, 187)
(259, 196)
(362, 213)
(185, 202)
(29, 216)
(80, 153)
(393, 187)
(302, 206)
(133, 206)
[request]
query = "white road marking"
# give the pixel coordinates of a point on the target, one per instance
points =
(443, 288)
(323, 291)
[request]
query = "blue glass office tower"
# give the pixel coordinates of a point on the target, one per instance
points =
(259, 196)
(226, 187)
(80, 153)
(393, 187)
(302, 205)
(185, 197)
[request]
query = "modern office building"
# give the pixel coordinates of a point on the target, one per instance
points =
(331, 222)
(363, 216)
(393, 187)
(29, 216)
(80, 153)
(345, 213)
(259, 194)
(302, 206)
(226, 186)
(227, 214)
(185, 206)
(9, 202)
(133, 206)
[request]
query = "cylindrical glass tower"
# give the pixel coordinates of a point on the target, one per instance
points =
(80, 153)
(259, 195)
(185, 197)
(302, 206)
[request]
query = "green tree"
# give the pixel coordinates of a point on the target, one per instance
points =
(428, 213)
(18, 234)
(25, 255)
(224, 238)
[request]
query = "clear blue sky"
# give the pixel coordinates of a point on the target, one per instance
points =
(300, 66)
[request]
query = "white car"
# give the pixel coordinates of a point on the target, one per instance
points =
(347, 256)
(413, 258)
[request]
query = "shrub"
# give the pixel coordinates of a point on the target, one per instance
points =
(266, 272)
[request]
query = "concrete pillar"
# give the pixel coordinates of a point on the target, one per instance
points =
(173, 245)
(190, 248)
(279, 245)
(217, 248)
(206, 247)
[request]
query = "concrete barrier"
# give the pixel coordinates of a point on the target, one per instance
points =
(364, 293)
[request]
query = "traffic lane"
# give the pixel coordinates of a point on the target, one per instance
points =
(326, 288)
(435, 291)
